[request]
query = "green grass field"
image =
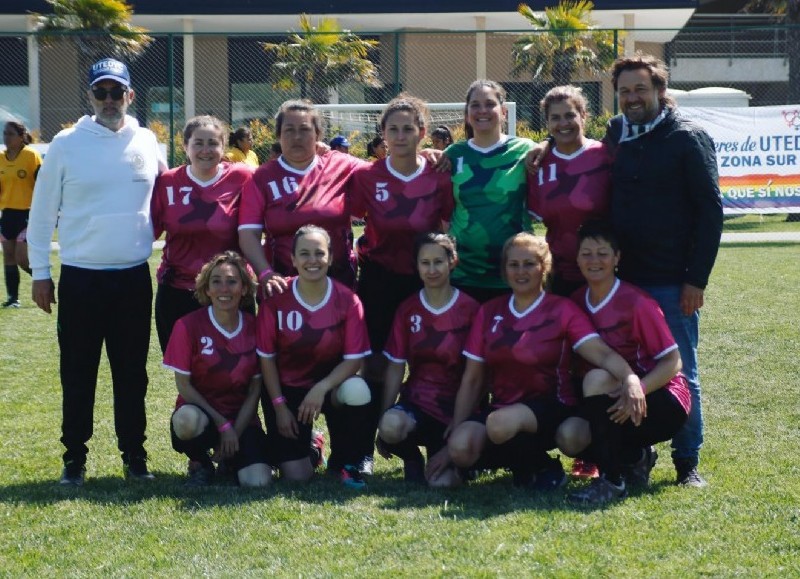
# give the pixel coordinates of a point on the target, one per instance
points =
(746, 523)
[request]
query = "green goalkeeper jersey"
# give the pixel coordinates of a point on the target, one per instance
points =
(490, 189)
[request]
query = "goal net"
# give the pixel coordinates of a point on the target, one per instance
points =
(364, 119)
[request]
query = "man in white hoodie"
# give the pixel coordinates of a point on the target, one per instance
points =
(96, 183)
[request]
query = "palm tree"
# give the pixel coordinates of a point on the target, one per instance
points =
(99, 28)
(564, 43)
(321, 57)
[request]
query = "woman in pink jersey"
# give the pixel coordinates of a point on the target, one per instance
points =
(402, 196)
(298, 188)
(213, 354)
(427, 335)
(522, 344)
(631, 323)
(572, 185)
(312, 341)
(197, 206)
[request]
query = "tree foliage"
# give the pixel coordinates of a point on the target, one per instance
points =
(321, 57)
(565, 43)
(99, 28)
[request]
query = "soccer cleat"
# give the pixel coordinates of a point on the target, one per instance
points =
(366, 466)
(584, 469)
(73, 474)
(11, 303)
(551, 477)
(638, 473)
(599, 492)
(351, 478)
(691, 478)
(136, 468)
(200, 474)
(317, 450)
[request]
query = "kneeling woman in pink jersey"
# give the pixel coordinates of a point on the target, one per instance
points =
(312, 341)
(631, 322)
(522, 346)
(213, 353)
(428, 334)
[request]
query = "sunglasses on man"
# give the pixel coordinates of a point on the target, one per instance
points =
(116, 92)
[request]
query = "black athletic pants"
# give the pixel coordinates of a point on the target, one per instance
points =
(112, 307)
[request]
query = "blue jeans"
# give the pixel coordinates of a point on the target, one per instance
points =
(685, 329)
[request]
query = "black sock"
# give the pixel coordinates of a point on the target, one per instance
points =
(12, 282)
(605, 436)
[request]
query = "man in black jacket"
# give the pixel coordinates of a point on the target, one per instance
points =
(667, 212)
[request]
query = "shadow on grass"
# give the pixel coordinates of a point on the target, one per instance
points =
(765, 244)
(490, 496)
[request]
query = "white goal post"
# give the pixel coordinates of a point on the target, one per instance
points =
(364, 117)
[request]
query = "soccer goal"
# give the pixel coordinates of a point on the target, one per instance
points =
(365, 118)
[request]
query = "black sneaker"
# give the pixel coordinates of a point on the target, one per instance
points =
(638, 473)
(200, 474)
(551, 477)
(599, 492)
(691, 478)
(366, 466)
(11, 303)
(73, 474)
(136, 468)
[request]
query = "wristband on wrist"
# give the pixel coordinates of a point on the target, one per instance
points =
(266, 273)
(278, 400)
(225, 427)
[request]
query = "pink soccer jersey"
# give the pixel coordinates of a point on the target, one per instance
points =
(398, 208)
(528, 354)
(567, 191)
(220, 364)
(308, 342)
(633, 325)
(431, 341)
(200, 219)
(279, 200)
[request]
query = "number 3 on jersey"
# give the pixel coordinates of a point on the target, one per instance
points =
(292, 320)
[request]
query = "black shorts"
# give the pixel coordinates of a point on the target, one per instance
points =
(13, 224)
(282, 449)
(428, 431)
(550, 413)
(381, 292)
(252, 443)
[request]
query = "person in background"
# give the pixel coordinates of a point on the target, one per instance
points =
(96, 183)
(241, 148)
(377, 149)
(213, 354)
(441, 138)
(340, 143)
(197, 206)
(275, 151)
(19, 166)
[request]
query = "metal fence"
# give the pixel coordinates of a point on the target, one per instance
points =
(180, 74)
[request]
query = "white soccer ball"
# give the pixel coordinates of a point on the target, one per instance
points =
(354, 392)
